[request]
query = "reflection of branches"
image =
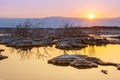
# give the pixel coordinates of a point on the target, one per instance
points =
(28, 52)
(92, 50)
(46, 51)
(25, 53)
(65, 51)
(42, 55)
(12, 50)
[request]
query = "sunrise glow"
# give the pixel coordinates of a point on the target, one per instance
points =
(91, 16)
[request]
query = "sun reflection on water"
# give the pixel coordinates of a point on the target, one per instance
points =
(33, 64)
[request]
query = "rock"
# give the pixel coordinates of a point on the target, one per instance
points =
(109, 64)
(18, 43)
(30, 43)
(100, 62)
(44, 42)
(1, 50)
(78, 46)
(80, 61)
(115, 41)
(118, 66)
(3, 57)
(83, 63)
(116, 37)
(63, 45)
(70, 45)
(95, 60)
(104, 71)
(63, 60)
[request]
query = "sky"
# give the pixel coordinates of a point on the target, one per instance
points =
(66, 8)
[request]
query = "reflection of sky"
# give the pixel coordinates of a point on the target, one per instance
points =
(13, 68)
(73, 8)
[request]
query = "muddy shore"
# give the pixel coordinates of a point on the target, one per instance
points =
(72, 38)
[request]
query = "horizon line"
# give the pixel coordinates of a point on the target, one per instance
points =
(54, 17)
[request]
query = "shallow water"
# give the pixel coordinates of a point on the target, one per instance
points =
(32, 65)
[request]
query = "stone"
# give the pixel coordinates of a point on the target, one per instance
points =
(104, 71)
(118, 66)
(63, 45)
(80, 61)
(3, 57)
(95, 60)
(83, 63)
(70, 45)
(63, 60)
(1, 50)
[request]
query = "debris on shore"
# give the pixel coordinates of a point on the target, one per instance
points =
(104, 71)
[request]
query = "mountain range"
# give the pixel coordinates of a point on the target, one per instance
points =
(59, 22)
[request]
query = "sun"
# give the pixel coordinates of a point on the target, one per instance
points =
(91, 16)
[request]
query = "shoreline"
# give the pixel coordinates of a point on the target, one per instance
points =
(68, 38)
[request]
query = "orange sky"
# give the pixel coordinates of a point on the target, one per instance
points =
(67, 8)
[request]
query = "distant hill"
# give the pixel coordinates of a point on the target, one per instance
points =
(55, 22)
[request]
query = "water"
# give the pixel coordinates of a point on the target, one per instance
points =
(32, 65)
(58, 22)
